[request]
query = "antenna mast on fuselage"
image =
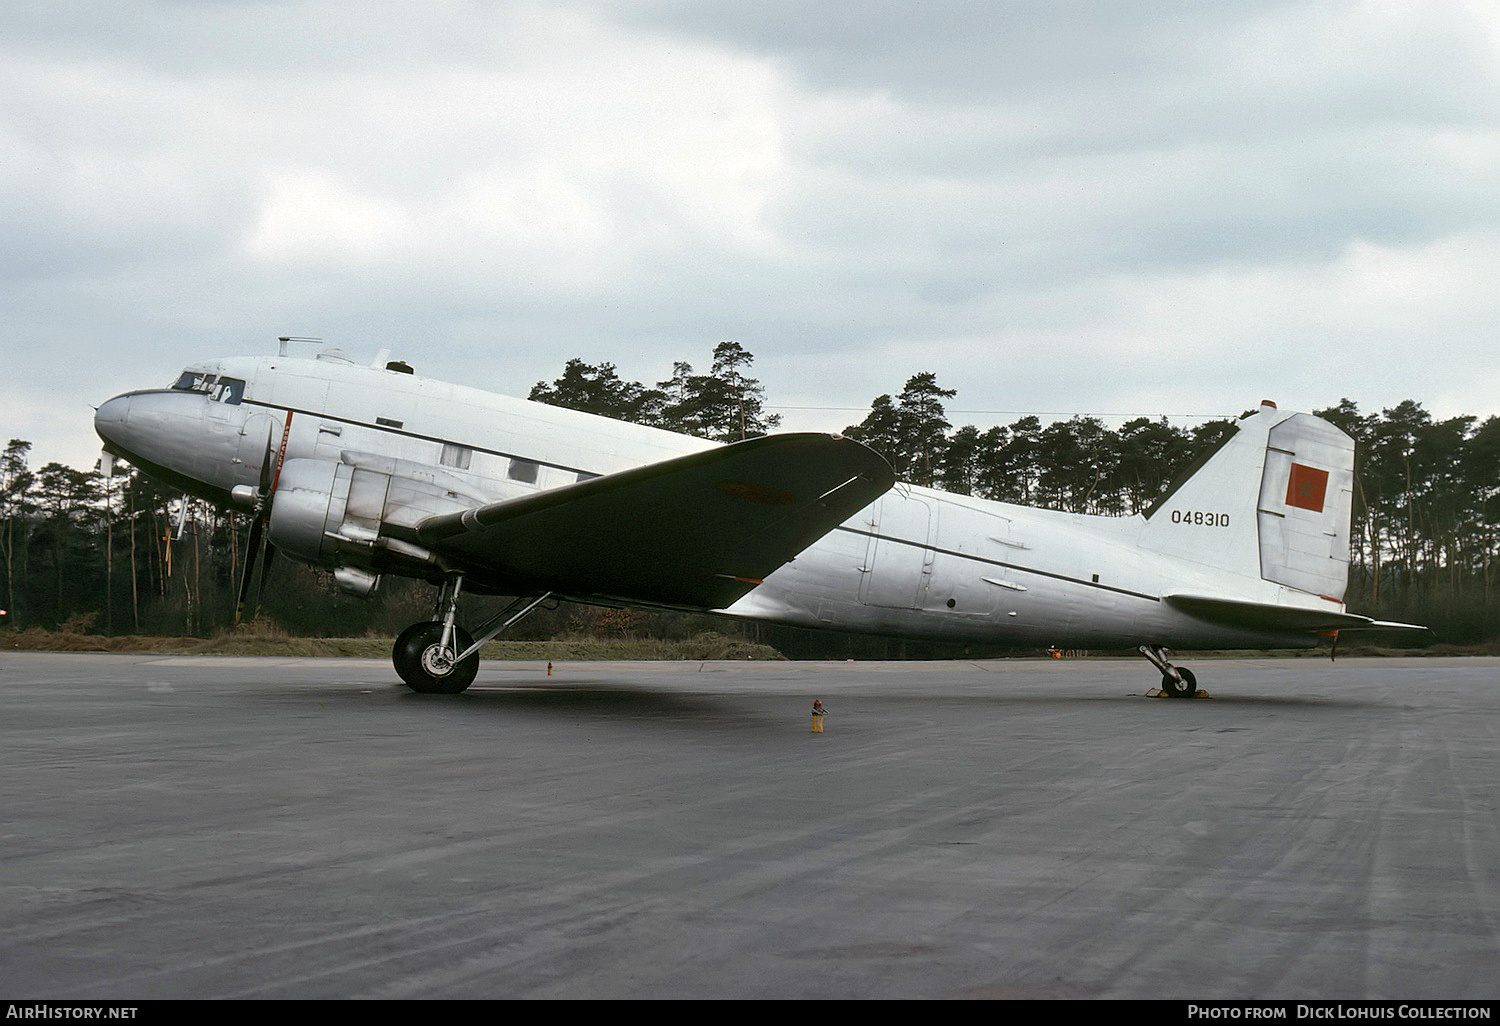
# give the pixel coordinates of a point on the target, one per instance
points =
(286, 340)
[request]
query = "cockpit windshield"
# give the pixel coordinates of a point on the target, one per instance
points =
(220, 389)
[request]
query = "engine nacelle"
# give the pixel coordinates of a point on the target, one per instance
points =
(309, 505)
(330, 515)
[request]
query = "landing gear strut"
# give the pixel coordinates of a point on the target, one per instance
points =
(438, 657)
(1176, 681)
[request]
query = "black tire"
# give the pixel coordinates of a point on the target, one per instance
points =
(1187, 687)
(413, 644)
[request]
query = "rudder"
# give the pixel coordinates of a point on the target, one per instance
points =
(1306, 499)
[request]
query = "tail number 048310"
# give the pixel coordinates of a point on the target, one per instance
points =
(1200, 518)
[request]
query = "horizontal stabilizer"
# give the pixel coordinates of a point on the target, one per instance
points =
(1387, 625)
(1268, 616)
(696, 531)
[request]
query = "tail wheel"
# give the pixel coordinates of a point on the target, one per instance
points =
(429, 668)
(1185, 687)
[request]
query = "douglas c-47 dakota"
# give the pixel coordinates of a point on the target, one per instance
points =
(372, 470)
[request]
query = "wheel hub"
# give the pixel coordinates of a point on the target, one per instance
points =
(437, 660)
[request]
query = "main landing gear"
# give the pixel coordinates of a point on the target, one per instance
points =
(437, 656)
(1176, 681)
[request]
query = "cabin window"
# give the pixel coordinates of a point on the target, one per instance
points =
(389, 422)
(524, 471)
(456, 456)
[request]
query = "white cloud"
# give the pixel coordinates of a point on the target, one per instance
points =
(1052, 205)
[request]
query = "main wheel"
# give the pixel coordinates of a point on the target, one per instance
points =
(427, 667)
(1187, 687)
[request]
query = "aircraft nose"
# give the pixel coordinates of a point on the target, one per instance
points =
(184, 439)
(109, 419)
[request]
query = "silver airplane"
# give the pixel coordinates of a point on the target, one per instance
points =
(372, 470)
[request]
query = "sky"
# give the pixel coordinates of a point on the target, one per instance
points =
(1112, 208)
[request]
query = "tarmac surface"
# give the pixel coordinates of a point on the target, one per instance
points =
(177, 827)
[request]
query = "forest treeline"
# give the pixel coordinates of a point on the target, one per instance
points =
(119, 554)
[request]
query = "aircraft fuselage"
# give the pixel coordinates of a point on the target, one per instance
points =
(917, 562)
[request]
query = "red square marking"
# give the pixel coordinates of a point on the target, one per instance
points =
(1306, 487)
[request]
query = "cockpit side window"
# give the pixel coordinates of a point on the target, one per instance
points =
(194, 381)
(225, 390)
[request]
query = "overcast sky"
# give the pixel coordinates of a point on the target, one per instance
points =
(1105, 207)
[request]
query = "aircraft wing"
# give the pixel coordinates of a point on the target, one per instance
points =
(1268, 616)
(696, 531)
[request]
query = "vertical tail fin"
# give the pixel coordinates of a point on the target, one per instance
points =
(1273, 502)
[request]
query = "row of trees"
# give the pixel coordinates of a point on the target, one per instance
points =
(726, 404)
(1425, 543)
(123, 555)
(1079, 465)
(118, 554)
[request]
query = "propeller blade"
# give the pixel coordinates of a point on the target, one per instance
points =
(257, 537)
(265, 572)
(265, 471)
(270, 475)
(257, 529)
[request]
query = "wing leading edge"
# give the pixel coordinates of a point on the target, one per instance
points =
(697, 531)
